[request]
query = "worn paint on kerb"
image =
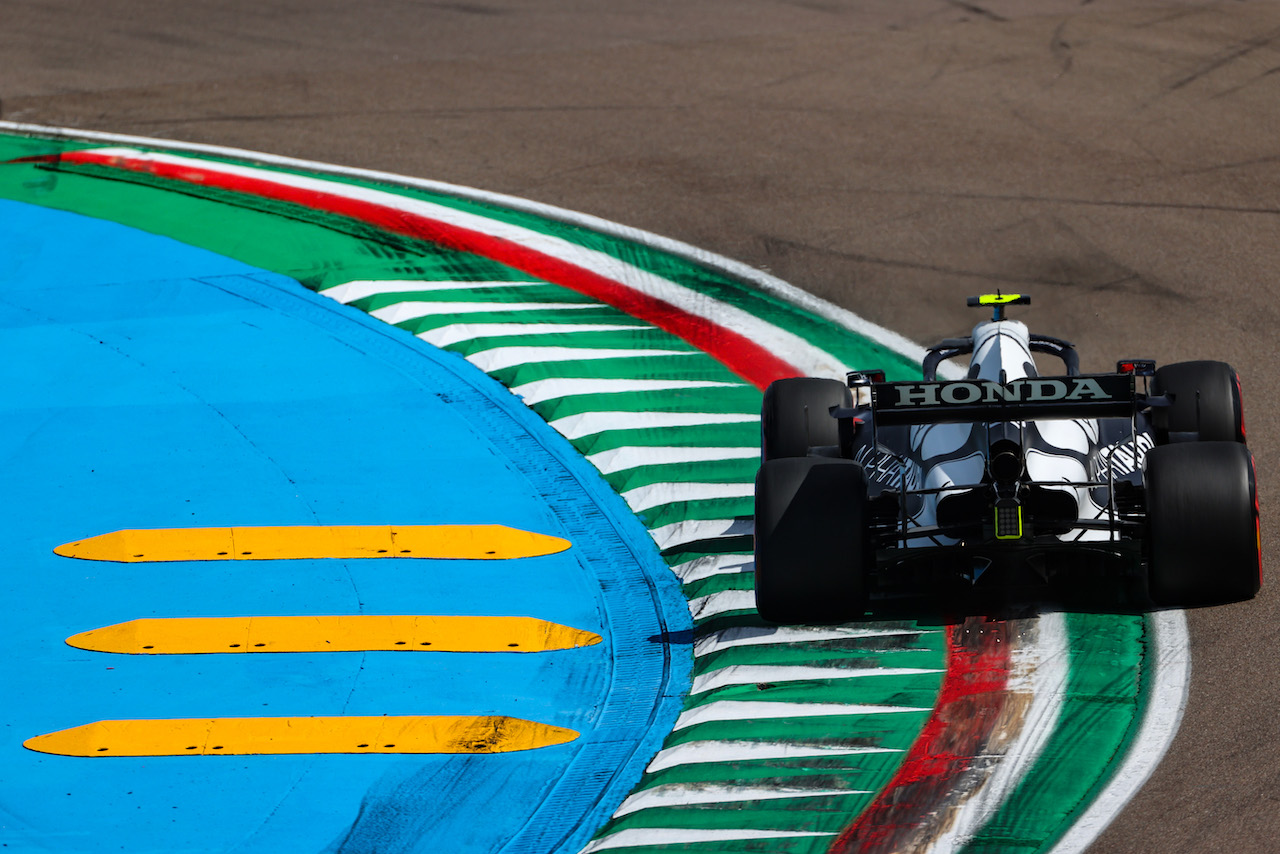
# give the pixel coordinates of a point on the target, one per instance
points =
(970, 706)
(696, 532)
(1104, 701)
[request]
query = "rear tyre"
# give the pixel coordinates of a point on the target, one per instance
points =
(1205, 401)
(811, 540)
(1202, 524)
(796, 416)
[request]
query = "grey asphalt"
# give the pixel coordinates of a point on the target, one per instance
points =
(1120, 161)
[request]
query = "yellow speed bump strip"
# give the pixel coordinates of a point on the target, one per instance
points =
(186, 635)
(245, 736)
(464, 542)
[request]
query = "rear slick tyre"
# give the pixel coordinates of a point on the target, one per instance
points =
(811, 543)
(796, 416)
(1205, 402)
(1202, 524)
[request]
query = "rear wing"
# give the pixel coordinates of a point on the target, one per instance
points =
(1089, 396)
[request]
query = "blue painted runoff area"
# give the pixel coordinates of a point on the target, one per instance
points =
(148, 384)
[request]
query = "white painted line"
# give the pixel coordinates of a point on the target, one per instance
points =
(1171, 658)
(550, 389)
(704, 752)
(402, 312)
(509, 357)
(684, 794)
(632, 456)
(643, 837)
(456, 333)
(753, 635)
(722, 603)
(746, 674)
(698, 530)
(591, 423)
(710, 565)
(359, 289)
(657, 494)
(753, 710)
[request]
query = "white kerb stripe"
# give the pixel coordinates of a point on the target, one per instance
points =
(681, 794)
(745, 674)
(709, 565)
(748, 710)
(721, 603)
(755, 635)
(590, 423)
(633, 456)
(456, 333)
(508, 357)
(657, 494)
(550, 389)
(698, 530)
(402, 312)
(705, 752)
(643, 837)
(352, 291)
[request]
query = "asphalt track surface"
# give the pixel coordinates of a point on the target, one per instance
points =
(1118, 160)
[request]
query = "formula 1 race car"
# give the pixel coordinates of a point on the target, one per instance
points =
(1004, 477)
